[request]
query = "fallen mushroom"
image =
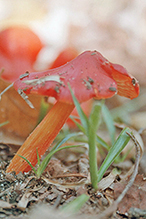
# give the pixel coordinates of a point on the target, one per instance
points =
(19, 48)
(90, 75)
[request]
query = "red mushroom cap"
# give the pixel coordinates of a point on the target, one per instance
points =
(89, 75)
(19, 48)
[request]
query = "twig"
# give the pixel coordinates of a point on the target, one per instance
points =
(70, 175)
(58, 201)
(110, 210)
(133, 176)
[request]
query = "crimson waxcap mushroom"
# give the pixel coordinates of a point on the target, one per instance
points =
(89, 75)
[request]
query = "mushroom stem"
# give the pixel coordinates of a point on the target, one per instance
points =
(41, 137)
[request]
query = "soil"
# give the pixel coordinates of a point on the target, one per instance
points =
(66, 178)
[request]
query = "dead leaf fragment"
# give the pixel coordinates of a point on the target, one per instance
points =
(22, 119)
(4, 204)
(108, 180)
(26, 198)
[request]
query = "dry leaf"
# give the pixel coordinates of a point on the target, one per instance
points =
(108, 180)
(22, 119)
(4, 204)
(26, 198)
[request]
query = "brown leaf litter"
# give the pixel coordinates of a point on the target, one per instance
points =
(65, 178)
(135, 197)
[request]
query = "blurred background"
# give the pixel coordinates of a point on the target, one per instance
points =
(114, 28)
(117, 29)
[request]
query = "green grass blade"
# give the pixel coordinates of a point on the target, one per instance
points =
(38, 158)
(75, 205)
(98, 138)
(4, 123)
(82, 129)
(67, 137)
(83, 117)
(94, 121)
(46, 160)
(28, 163)
(114, 151)
(95, 116)
(109, 123)
(102, 142)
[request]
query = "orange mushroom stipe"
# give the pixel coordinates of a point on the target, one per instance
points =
(46, 131)
(90, 75)
(19, 47)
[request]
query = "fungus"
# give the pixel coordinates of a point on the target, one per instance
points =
(107, 80)
(19, 48)
(64, 56)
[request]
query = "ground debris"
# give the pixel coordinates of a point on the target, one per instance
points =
(62, 182)
(136, 213)
(20, 193)
(135, 197)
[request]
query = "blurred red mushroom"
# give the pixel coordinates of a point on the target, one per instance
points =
(66, 55)
(19, 48)
(90, 75)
